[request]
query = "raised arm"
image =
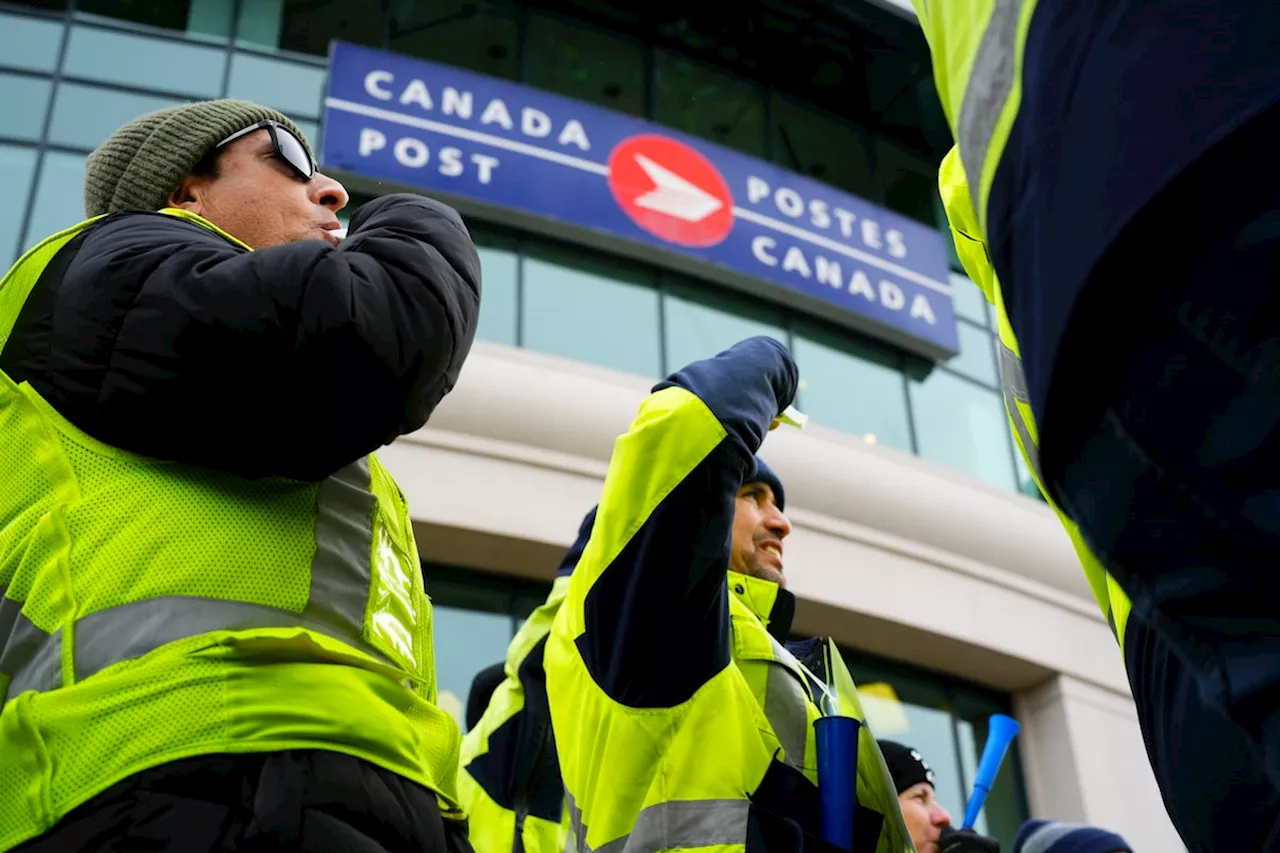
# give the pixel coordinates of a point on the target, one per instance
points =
(653, 626)
(166, 339)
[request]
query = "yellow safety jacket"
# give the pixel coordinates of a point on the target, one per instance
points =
(650, 773)
(977, 58)
(152, 611)
(510, 807)
(822, 677)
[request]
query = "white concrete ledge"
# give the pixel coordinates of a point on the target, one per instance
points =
(972, 576)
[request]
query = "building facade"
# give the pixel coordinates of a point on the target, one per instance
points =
(919, 543)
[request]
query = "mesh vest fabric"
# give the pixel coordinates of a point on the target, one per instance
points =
(157, 611)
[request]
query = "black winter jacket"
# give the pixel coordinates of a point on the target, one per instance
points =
(158, 336)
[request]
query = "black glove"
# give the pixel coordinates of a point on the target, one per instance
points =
(966, 841)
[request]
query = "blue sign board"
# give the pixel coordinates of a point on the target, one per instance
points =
(440, 128)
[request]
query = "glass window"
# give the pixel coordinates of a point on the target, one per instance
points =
(591, 310)
(308, 26)
(969, 300)
(29, 43)
(83, 116)
(458, 32)
(59, 197)
(700, 324)
(207, 18)
(824, 148)
(585, 64)
(962, 425)
(466, 642)
(796, 48)
(852, 387)
(148, 63)
(908, 181)
(948, 725)
(290, 87)
(499, 265)
(708, 103)
(473, 626)
(16, 168)
(915, 712)
(977, 356)
(894, 72)
(1026, 483)
(41, 4)
(259, 23)
(210, 19)
(25, 100)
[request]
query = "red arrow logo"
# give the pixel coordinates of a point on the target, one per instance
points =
(671, 191)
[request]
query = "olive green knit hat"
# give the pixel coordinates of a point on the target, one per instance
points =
(144, 161)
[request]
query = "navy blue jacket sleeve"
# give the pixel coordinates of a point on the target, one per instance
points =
(163, 338)
(574, 554)
(745, 387)
(657, 618)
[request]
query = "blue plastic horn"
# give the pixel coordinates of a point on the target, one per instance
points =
(1001, 731)
(837, 741)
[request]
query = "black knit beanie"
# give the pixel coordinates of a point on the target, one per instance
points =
(142, 163)
(906, 765)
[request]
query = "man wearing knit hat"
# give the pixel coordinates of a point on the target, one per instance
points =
(682, 717)
(1043, 836)
(927, 821)
(213, 630)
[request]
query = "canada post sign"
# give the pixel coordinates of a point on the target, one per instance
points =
(441, 128)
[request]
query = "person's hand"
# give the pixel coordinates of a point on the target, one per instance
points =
(966, 841)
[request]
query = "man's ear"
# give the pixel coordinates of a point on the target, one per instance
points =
(190, 194)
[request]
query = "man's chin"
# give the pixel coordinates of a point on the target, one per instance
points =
(769, 573)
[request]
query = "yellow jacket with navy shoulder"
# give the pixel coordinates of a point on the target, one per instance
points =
(510, 780)
(785, 674)
(973, 255)
(977, 53)
(1070, 119)
(153, 609)
(680, 721)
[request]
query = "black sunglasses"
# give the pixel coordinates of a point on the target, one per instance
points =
(284, 145)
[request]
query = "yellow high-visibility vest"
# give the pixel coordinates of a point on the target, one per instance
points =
(152, 611)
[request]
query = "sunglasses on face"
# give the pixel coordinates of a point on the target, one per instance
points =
(284, 145)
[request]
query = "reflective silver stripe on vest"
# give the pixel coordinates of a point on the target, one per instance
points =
(576, 838)
(340, 579)
(29, 657)
(786, 704)
(1014, 383)
(670, 825)
(10, 611)
(988, 89)
(32, 657)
